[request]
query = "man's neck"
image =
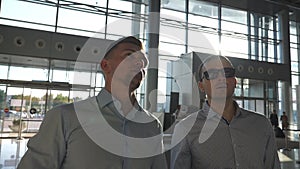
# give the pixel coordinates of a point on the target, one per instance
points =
(226, 108)
(126, 99)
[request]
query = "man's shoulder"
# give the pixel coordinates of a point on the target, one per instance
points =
(249, 114)
(67, 107)
(71, 106)
(146, 116)
(150, 115)
(71, 109)
(191, 120)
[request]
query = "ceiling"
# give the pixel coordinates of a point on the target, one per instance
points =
(267, 7)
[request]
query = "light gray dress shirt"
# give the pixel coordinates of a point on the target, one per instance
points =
(247, 142)
(70, 138)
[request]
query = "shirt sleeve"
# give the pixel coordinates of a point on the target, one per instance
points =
(46, 150)
(271, 155)
(180, 153)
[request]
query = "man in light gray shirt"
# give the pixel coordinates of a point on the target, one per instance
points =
(109, 131)
(222, 135)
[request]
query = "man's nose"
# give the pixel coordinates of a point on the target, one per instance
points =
(140, 59)
(139, 64)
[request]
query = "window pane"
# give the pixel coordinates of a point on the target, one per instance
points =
(3, 103)
(255, 88)
(238, 89)
(80, 94)
(3, 71)
(82, 21)
(37, 14)
(234, 15)
(14, 98)
(115, 23)
(98, 3)
(177, 50)
(172, 33)
(34, 98)
(234, 40)
(203, 28)
(126, 15)
(203, 42)
(174, 4)
(203, 8)
(23, 68)
(234, 47)
(120, 5)
(203, 23)
(61, 71)
(25, 73)
(57, 97)
(100, 82)
(83, 74)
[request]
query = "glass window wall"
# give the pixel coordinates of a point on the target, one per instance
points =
(234, 32)
(75, 22)
(203, 27)
(265, 38)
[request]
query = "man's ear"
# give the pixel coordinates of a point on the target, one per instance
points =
(104, 65)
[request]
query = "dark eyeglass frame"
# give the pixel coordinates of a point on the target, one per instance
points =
(211, 74)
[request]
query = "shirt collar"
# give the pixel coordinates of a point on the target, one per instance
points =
(104, 98)
(238, 109)
(135, 111)
(209, 113)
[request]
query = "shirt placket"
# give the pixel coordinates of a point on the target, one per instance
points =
(125, 144)
(234, 143)
(116, 108)
(226, 124)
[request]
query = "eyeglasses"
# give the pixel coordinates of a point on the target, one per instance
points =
(214, 73)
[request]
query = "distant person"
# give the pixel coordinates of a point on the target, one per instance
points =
(284, 121)
(274, 119)
(108, 131)
(223, 135)
(177, 111)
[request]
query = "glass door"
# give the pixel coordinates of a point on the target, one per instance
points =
(25, 104)
(256, 95)
(15, 106)
(253, 104)
(28, 103)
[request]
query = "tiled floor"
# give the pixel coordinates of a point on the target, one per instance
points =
(289, 159)
(12, 149)
(11, 152)
(289, 153)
